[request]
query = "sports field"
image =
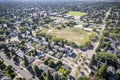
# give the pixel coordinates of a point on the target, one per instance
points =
(75, 13)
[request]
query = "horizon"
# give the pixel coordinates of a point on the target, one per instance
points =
(59, 0)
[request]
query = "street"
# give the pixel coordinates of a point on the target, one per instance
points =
(24, 73)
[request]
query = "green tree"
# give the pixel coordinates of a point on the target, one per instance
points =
(55, 76)
(117, 76)
(48, 75)
(37, 71)
(102, 71)
(19, 78)
(63, 78)
(2, 38)
(98, 64)
(63, 44)
(105, 56)
(49, 46)
(15, 58)
(26, 63)
(91, 61)
(83, 78)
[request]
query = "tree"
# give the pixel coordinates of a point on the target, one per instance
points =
(15, 58)
(49, 46)
(48, 75)
(117, 76)
(35, 51)
(46, 39)
(37, 71)
(63, 44)
(6, 48)
(91, 61)
(55, 76)
(98, 64)
(83, 78)
(105, 56)
(26, 63)
(19, 78)
(2, 65)
(9, 72)
(102, 71)
(2, 38)
(63, 78)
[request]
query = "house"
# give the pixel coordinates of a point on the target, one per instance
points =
(30, 58)
(59, 55)
(14, 34)
(61, 49)
(51, 70)
(66, 67)
(117, 52)
(111, 78)
(43, 67)
(4, 78)
(118, 71)
(55, 50)
(39, 55)
(51, 52)
(56, 47)
(46, 58)
(1, 74)
(88, 29)
(70, 52)
(20, 53)
(69, 77)
(79, 26)
(45, 43)
(111, 70)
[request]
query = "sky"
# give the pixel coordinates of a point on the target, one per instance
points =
(60, 0)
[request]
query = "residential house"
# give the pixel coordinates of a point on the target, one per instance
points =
(51, 52)
(66, 67)
(43, 67)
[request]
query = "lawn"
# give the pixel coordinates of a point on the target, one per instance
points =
(76, 35)
(75, 13)
(61, 70)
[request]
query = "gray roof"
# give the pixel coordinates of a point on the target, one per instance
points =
(43, 67)
(5, 78)
(20, 53)
(30, 59)
(65, 66)
(51, 52)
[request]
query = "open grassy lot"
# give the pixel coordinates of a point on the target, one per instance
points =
(75, 13)
(76, 35)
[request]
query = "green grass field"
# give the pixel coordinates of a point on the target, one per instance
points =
(75, 13)
(61, 70)
(76, 35)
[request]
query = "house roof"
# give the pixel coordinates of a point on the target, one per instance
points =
(65, 66)
(111, 70)
(30, 59)
(5, 78)
(51, 52)
(43, 67)
(118, 71)
(40, 55)
(20, 53)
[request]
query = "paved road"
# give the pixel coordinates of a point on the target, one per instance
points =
(24, 73)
